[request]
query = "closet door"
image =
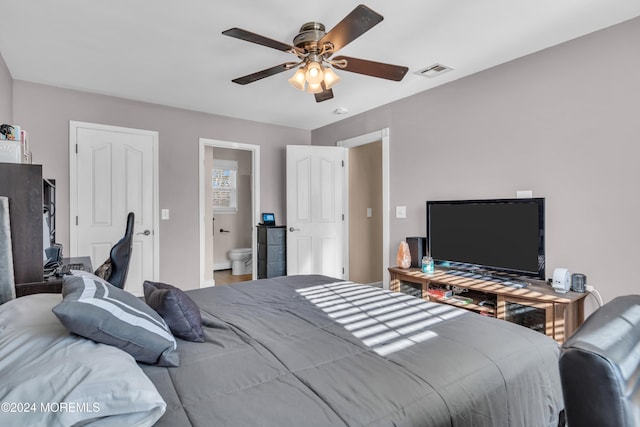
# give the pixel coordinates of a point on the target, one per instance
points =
(113, 172)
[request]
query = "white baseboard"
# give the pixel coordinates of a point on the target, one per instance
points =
(226, 265)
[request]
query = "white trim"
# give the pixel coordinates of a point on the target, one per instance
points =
(156, 207)
(224, 265)
(255, 199)
(347, 215)
(73, 185)
(381, 135)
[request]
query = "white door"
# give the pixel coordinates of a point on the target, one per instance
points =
(315, 210)
(113, 172)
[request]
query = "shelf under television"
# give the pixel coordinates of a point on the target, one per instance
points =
(476, 298)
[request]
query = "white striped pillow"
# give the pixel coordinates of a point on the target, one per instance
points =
(97, 310)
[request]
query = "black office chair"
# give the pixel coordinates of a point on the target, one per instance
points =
(600, 367)
(115, 269)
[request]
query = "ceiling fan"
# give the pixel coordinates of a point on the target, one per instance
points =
(314, 48)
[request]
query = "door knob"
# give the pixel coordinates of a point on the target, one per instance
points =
(145, 232)
(293, 229)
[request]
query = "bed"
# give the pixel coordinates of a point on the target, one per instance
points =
(318, 351)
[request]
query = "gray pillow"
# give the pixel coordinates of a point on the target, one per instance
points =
(176, 308)
(99, 311)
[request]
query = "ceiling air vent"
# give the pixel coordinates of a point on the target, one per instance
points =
(434, 70)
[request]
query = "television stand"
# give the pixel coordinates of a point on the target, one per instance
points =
(503, 279)
(537, 306)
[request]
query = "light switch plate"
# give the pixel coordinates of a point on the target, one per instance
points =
(165, 213)
(401, 211)
(369, 212)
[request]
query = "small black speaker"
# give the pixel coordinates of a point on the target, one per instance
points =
(418, 249)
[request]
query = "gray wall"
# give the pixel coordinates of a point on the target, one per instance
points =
(6, 93)
(562, 122)
(45, 112)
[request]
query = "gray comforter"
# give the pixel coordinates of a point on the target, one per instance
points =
(314, 351)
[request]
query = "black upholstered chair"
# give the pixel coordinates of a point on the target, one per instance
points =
(120, 255)
(600, 367)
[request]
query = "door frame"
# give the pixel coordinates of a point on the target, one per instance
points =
(255, 200)
(380, 135)
(73, 185)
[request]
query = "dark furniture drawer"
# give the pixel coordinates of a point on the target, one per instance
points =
(272, 251)
(271, 269)
(276, 235)
(51, 286)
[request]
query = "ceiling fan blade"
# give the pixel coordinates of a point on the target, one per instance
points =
(241, 34)
(374, 69)
(250, 78)
(359, 21)
(324, 95)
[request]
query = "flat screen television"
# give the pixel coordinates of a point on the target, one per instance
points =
(498, 235)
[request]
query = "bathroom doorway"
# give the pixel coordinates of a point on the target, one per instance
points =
(229, 205)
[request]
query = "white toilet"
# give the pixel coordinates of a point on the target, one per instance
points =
(240, 261)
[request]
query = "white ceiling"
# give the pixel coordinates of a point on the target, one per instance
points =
(172, 52)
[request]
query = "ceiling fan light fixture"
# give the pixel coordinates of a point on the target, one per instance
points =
(298, 79)
(330, 78)
(314, 72)
(314, 87)
(314, 48)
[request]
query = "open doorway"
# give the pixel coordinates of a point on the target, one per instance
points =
(229, 204)
(365, 213)
(367, 208)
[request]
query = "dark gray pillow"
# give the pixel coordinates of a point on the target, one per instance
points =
(99, 311)
(176, 308)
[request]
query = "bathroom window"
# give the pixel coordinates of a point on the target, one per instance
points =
(224, 190)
